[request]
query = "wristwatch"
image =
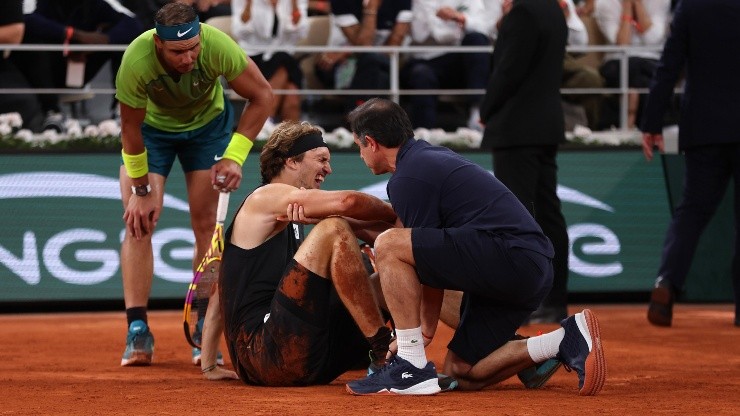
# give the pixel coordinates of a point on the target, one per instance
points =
(141, 190)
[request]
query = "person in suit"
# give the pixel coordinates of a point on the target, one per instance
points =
(708, 136)
(523, 117)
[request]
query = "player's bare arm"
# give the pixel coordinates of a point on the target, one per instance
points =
(226, 174)
(353, 204)
(363, 33)
(141, 212)
(212, 330)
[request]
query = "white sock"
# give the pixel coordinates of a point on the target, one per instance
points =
(411, 346)
(546, 346)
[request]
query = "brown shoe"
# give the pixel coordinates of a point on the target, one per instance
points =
(660, 311)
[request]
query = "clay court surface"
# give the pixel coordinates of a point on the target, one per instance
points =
(68, 364)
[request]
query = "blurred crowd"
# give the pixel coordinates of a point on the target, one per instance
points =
(281, 24)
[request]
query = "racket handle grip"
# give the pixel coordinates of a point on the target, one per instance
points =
(223, 206)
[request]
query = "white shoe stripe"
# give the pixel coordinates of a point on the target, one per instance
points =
(583, 327)
(423, 388)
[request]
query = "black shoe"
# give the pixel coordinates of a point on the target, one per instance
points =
(548, 315)
(660, 311)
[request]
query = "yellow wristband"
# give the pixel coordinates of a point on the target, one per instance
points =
(238, 148)
(136, 165)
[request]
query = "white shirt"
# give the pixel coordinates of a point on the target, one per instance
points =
(258, 30)
(493, 13)
(337, 38)
(428, 29)
(577, 33)
(608, 15)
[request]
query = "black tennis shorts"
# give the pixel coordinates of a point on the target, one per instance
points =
(308, 338)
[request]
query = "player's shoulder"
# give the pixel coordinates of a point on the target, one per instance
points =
(140, 49)
(270, 192)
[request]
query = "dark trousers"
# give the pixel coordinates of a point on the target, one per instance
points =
(639, 72)
(48, 69)
(25, 104)
(451, 70)
(372, 72)
(708, 172)
(531, 174)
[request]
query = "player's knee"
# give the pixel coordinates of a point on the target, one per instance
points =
(390, 243)
(333, 228)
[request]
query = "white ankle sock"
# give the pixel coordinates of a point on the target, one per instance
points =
(411, 346)
(546, 346)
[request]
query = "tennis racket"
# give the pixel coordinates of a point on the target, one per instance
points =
(205, 276)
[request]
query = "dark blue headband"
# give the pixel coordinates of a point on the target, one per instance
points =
(182, 31)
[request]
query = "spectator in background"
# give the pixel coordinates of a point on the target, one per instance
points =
(701, 32)
(209, 8)
(274, 23)
(91, 22)
(145, 10)
(632, 23)
(577, 74)
(11, 32)
(363, 23)
(319, 7)
(447, 23)
(523, 116)
(495, 11)
(585, 7)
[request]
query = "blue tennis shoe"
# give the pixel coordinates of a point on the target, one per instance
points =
(398, 377)
(581, 351)
(139, 345)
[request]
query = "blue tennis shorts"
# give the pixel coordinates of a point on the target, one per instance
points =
(196, 149)
(502, 283)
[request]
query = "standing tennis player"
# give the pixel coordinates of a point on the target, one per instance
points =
(173, 105)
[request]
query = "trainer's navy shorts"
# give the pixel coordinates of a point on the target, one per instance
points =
(502, 284)
(308, 338)
(196, 149)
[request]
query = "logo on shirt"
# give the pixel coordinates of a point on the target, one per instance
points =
(217, 158)
(406, 374)
(179, 35)
(296, 232)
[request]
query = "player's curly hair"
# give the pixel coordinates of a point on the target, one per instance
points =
(273, 156)
(175, 13)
